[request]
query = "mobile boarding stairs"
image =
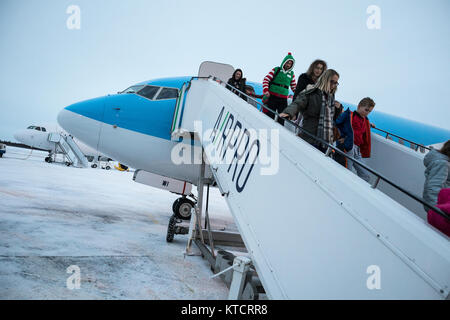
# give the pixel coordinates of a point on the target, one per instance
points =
(70, 150)
(312, 228)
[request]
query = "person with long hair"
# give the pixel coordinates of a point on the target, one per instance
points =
(237, 81)
(310, 77)
(317, 106)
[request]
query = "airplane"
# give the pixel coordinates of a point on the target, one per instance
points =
(141, 126)
(38, 137)
(134, 127)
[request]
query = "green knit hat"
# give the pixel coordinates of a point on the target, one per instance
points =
(288, 57)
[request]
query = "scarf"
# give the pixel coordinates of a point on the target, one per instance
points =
(325, 128)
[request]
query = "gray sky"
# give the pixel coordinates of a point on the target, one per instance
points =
(404, 66)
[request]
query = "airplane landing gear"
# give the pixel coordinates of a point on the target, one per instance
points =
(173, 228)
(181, 212)
(182, 208)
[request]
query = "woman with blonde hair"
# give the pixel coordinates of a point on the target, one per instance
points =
(317, 106)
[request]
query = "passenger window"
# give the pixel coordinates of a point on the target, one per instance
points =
(148, 92)
(167, 93)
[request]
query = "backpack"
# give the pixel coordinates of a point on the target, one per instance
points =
(265, 99)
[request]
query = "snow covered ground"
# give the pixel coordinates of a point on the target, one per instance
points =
(113, 229)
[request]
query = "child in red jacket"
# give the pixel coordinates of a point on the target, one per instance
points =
(354, 128)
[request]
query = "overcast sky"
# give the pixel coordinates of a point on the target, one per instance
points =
(44, 66)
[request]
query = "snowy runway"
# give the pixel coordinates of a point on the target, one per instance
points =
(113, 229)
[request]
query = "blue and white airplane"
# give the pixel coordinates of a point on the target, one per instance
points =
(134, 126)
(330, 216)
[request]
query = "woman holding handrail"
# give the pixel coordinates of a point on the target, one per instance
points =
(237, 81)
(317, 106)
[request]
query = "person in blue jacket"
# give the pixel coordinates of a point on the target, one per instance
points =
(355, 139)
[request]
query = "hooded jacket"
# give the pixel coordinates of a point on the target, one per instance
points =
(344, 124)
(436, 175)
(278, 80)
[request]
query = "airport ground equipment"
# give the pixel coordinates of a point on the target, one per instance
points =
(69, 148)
(313, 229)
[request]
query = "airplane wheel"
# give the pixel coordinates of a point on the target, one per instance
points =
(108, 167)
(48, 159)
(94, 166)
(175, 204)
(183, 208)
(68, 164)
(171, 229)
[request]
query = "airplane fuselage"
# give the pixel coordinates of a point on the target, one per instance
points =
(134, 126)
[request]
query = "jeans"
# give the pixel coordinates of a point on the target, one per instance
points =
(360, 171)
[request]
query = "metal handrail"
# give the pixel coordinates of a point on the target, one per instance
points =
(401, 138)
(330, 147)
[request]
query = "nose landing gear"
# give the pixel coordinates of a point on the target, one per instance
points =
(181, 211)
(182, 208)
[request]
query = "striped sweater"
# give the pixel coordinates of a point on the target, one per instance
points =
(269, 77)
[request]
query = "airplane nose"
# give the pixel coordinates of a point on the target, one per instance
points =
(20, 136)
(17, 136)
(83, 120)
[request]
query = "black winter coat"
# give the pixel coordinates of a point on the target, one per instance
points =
(308, 103)
(240, 84)
(303, 81)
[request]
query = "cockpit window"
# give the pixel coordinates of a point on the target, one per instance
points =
(31, 127)
(133, 89)
(148, 92)
(167, 93)
(43, 129)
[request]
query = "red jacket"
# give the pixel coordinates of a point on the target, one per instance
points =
(365, 147)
